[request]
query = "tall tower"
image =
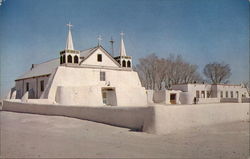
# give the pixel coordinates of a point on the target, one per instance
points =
(69, 56)
(124, 60)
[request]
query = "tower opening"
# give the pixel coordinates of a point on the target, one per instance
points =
(69, 59)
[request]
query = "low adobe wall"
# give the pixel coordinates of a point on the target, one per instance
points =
(168, 119)
(129, 117)
(151, 119)
(245, 100)
(229, 100)
(208, 100)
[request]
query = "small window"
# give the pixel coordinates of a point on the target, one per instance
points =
(75, 59)
(27, 87)
(99, 57)
(244, 95)
(202, 94)
(63, 59)
(123, 63)
(102, 76)
(69, 59)
(208, 94)
(226, 94)
(197, 94)
(128, 64)
(42, 85)
(232, 94)
(60, 59)
(221, 94)
(237, 94)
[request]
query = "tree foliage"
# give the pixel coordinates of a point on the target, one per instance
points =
(217, 72)
(158, 73)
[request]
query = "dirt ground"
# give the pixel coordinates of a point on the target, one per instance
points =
(33, 136)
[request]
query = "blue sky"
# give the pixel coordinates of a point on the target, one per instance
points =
(202, 31)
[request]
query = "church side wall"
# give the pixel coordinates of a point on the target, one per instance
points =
(34, 86)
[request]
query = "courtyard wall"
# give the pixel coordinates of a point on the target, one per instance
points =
(156, 119)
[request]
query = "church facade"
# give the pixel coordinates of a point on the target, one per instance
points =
(91, 77)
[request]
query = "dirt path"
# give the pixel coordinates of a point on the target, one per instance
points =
(34, 136)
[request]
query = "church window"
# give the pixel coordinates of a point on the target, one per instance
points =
(60, 59)
(208, 94)
(123, 63)
(197, 94)
(99, 57)
(128, 64)
(27, 86)
(232, 94)
(63, 59)
(202, 94)
(237, 94)
(226, 94)
(69, 59)
(75, 59)
(42, 85)
(221, 94)
(102, 76)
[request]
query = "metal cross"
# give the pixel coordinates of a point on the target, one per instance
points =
(99, 38)
(122, 34)
(69, 25)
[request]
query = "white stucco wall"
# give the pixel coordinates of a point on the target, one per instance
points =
(231, 88)
(159, 96)
(163, 96)
(186, 98)
(152, 119)
(83, 95)
(34, 84)
(150, 95)
(214, 91)
(129, 117)
(164, 120)
(208, 100)
(66, 80)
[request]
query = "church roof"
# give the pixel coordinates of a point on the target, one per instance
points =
(46, 68)
(86, 53)
(41, 69)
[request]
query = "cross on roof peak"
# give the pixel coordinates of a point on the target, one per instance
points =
(69, 25)
(99, 38)
(122, 34)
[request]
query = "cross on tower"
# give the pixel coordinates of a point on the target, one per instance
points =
(69, 25)
(122, 34)
(99, 38)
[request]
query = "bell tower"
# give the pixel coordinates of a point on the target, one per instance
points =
(69, 56)
(124, 60)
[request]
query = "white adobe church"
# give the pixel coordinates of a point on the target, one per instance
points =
(93, 77)
(90, 77)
